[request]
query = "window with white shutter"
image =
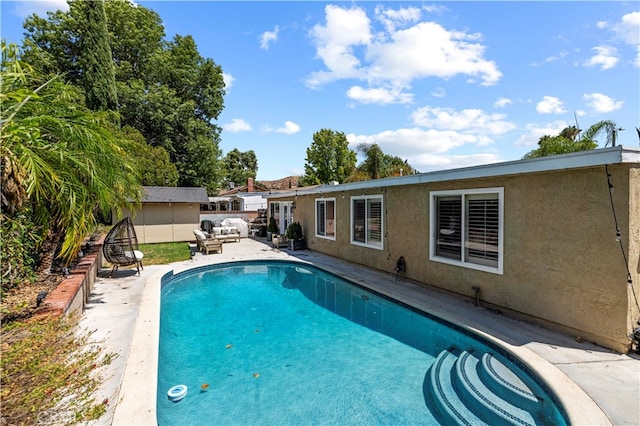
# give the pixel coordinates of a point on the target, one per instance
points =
(466, 228)
(367, 221)
(325, 218)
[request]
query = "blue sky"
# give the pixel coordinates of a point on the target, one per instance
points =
(440, 84)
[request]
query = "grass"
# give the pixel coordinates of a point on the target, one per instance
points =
(164, 253)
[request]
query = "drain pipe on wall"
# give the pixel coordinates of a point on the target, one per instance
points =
(476, 293)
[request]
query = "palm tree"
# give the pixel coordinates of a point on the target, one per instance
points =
(608, 126)
(566, 141)
(59, 158)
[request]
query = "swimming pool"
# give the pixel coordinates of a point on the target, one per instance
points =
(280, 342)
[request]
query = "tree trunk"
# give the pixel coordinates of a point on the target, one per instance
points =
(47, 254)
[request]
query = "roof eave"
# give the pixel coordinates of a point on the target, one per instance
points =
(576, 160)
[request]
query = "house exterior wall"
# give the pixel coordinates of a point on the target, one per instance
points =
(633, 248)
(166, 222)
(562, 265)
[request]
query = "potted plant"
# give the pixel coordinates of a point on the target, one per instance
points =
(272, 228)
(295, 239)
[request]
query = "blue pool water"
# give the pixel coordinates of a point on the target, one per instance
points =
(284, 343)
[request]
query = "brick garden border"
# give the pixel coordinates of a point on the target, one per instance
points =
(72, 294)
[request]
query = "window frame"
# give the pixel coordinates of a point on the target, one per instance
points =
(366, 243)
(316, 204)
(464, 195)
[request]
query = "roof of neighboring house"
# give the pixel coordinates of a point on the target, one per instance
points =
(168, 194)
(265, 186)
(257, 187)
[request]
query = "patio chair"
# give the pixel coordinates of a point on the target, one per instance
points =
(207, 244)
(121, 246)
(279, 240)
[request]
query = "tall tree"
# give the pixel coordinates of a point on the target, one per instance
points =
(377, 164)
(59, 159)
(239, 166)
(152, 162)
(328, 158)
(570, 140)
(96, 62)
(165, 89)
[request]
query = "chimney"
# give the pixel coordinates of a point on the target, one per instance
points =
(249, 184)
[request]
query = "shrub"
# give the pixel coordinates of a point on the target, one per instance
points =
(294, 231)
(273, 226)
(19, 243)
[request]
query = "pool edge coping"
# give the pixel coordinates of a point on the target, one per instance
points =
(136, 402)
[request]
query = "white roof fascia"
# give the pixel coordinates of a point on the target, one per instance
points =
(597, 157)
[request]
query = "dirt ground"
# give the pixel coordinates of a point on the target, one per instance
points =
(22, 301)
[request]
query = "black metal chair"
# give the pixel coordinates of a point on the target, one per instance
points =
(121, 246)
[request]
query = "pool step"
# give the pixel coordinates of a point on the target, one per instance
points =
(444, 396)
(506, 384)
(469, 390)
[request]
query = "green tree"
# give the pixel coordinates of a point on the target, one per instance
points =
(59, 159)
(137, 35)
(152, 162)
(328, 158)
(165, 89)
(239, 166)
(50, 45)
(98, 78)
(378, 165)
(570, 140)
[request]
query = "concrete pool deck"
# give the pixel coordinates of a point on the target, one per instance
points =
(597, 386)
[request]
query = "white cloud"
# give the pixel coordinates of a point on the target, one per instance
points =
(236, 125)
(289, 128)
(601, 103)
(414, 141)
(429, 50)
(557, 57)
(392, 18)
(550, 105)
(628, 30)
(421, 148)
(228, 80)
(267, 37)
(379, 95)
(439, 92)
(335, 42)
(535, 131)
(40, 7)
(426, 149)
(469, 121)
(445, 130)
(432, 8)
(606, 57)
(351, 48)
(502, 102)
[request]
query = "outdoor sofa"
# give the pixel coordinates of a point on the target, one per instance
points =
(225, 233)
